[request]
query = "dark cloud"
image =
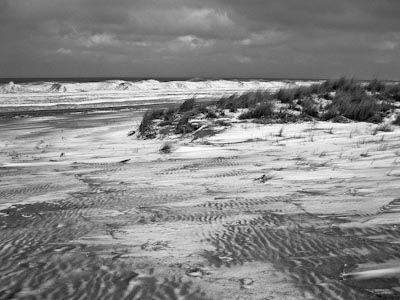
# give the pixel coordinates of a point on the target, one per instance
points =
(229, 38)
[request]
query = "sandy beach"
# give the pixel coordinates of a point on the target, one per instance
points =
(257, 211)
(199, 150)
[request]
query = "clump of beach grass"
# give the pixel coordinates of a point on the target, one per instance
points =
(383, 128)
(355, 105)
(263, 110)
(396, 120)
(145, 127)
(187, 105)
(245, 100)
(166, 148)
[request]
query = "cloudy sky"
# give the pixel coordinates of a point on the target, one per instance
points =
(200, 38)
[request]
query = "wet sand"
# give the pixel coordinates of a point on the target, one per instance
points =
(254, 212)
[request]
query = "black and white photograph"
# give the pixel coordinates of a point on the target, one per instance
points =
(199, 149)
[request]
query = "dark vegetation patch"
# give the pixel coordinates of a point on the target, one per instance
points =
(356, 105)
(145, 128)
(261, 110)
(188, 105)
(397, 120)
(247, 100)
(310, 107)
(183, 126)
(382, 128)
(178, 120)
(166, 148)
(340, 100)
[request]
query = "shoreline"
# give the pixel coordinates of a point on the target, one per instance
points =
(60, 111)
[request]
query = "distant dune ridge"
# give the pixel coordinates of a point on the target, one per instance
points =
(119, 92)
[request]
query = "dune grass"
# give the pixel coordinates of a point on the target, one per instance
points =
(310, 107)
(382, 128)
(145, 127)
(356, 105)
(176, 117)
(262, 110)
(166, 148)
(340, 100)
(246, 100)
(188, 105)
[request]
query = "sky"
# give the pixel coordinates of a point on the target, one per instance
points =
(200, 38)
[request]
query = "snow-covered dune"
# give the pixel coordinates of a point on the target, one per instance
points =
(119, 92)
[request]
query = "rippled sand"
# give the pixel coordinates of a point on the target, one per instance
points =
(87, 212)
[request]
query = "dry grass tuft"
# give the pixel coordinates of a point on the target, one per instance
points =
(166, 148)
(383, 128)
(261, 111)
